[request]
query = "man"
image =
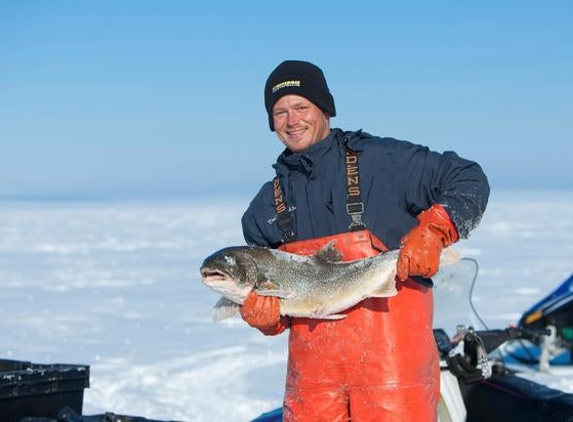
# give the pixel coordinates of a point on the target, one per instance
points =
(369, 195)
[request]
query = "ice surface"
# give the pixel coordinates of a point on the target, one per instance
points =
(117, 286)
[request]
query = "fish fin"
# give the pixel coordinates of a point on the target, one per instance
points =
(283, 294)
(328, 253)
(333, 317)
(386, 289)
(270, 288)
(321, 312)
(266, 285)
(224, 309)
(449, 256)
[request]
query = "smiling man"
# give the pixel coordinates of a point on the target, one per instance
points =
(367, 194)
(299, 123)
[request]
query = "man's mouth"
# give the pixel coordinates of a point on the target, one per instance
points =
(296, 133)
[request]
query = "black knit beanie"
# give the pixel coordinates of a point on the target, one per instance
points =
(298, 78)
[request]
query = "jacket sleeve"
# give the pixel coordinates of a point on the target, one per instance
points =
(254, 214)
(459, 185)
(254, 237)
(251, 231)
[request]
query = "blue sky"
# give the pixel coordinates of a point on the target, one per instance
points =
(136, 99)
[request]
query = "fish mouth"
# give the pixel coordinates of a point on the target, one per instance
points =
(214, 276)
(224, 284)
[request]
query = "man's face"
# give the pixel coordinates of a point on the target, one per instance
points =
(299, 123)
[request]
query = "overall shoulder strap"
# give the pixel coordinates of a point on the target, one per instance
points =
(354, 204)
(284, 219)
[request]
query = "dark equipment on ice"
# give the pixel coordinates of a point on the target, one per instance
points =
(31, 392)
(28, 389)
(554, 312)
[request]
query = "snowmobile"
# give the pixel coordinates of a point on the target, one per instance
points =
(555, 314)
(497, 374)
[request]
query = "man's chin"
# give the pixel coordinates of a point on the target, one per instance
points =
(298, 147)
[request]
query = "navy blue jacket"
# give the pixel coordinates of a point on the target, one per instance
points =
(398, 180)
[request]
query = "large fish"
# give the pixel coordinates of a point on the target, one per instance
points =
(318, 286)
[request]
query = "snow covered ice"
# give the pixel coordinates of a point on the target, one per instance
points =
(115, 285)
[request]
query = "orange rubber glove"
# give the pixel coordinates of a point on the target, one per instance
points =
(421, 248)
(263, 313)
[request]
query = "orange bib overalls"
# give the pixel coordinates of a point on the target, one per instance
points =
(380, 363)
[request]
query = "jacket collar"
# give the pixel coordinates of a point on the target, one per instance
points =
(306, 162)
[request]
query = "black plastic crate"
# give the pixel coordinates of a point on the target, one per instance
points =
(68, 415)
(35, 390)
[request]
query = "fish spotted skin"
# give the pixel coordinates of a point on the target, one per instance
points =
(318, 286)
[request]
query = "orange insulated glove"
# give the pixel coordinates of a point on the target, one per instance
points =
(421, 248)
(263, 313)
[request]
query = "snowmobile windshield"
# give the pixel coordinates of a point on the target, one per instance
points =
(453, 286)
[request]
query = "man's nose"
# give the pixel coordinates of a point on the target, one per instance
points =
(293, 118)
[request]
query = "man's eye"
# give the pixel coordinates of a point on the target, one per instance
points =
(279, 113)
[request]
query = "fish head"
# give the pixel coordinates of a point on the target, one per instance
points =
(232, 272)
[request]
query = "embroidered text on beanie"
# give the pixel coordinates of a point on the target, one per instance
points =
(298, 78)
